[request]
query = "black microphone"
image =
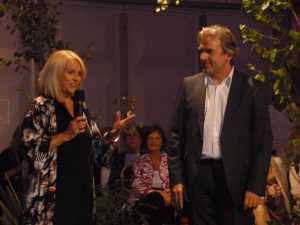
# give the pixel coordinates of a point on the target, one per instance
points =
(78, 103)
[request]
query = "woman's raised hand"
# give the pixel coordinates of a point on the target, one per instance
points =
(119, 123)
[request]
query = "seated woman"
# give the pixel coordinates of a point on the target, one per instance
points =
(277, 202)
(133, 136)
(151, 178)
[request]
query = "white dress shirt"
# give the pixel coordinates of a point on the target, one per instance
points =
(215, 106)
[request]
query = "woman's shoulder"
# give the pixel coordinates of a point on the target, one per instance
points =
(142, 157)
(43, 102)
(43, 99)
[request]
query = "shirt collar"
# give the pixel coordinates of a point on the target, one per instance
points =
(226, 81)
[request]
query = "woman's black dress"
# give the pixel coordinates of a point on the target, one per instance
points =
(73, 200)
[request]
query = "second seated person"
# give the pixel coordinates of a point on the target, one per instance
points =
(121, 167)
(151, 178)
(60, 148)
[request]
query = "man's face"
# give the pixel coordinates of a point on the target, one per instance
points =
(215, 62)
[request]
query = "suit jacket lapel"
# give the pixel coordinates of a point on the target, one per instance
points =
(235, 93)
(201, 92)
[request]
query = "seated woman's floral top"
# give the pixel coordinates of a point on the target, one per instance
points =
(39, 169)
(143, 172)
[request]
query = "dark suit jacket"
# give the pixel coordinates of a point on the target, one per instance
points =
(245, 137)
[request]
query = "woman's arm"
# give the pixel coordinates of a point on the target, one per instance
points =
(103, 146)
(39, 126)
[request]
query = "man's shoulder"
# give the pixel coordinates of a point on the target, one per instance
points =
(193, 79)
(194, 76)
(250, 80)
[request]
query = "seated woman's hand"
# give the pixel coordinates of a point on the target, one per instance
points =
(167, 198)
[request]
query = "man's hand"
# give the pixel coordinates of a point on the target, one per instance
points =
(177, 191)
(251, 200)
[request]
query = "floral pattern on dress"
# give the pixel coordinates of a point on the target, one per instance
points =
(143, 172)
(39, 166)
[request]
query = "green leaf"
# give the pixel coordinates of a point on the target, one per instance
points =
(294, 35)
(258, 16)
(248, 5)
(272, 55)
(242, 26)
(257, 48)
(260, 77)
(293, 105)
(280, 72)
(276, 41)
(253, 33)
(291, 47)
(276, 84)
(251, 67)
(265, 53)
(265, 5)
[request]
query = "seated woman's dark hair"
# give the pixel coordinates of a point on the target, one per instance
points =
(135, 126)
(160, 130)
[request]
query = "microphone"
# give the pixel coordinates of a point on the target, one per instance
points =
(78, 103)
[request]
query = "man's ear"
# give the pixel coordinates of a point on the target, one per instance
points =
(230, 57)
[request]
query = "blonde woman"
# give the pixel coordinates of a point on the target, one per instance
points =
(59, 148)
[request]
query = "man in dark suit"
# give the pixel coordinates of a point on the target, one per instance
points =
(220, 137)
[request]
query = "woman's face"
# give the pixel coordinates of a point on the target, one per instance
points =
(71, 78)
(133, 141)
(154, 142)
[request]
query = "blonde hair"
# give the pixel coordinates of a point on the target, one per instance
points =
(227, 39)
(49, 77)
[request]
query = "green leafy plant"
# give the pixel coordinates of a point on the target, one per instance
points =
(281, 51)
(110, 207)
(296, 211)
(36, 21)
